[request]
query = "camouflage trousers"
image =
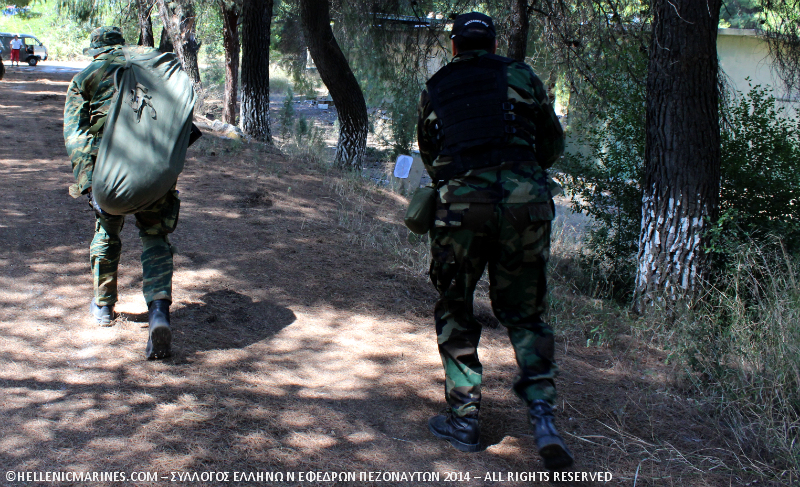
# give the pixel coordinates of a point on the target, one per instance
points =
(513, 240)
(154, 224)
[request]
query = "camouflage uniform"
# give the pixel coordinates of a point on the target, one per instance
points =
(498, 216)
(88, 102)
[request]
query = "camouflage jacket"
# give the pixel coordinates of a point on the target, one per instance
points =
(509, 182)
(81, 111)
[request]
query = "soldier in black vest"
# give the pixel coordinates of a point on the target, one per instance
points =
(487, 132)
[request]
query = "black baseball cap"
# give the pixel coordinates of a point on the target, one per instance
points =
(473, 25)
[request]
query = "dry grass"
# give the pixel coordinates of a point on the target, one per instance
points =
(742, 347)
(373, 213)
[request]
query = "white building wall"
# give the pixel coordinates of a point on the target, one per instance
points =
(742, 54)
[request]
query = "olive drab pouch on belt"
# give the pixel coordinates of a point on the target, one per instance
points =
(147, 130)
(421, 210)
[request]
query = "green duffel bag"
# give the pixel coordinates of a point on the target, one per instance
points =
(421, 210)
(147, 131)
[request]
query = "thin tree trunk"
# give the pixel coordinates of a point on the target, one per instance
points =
(145, 24)
(256, 21)
(518, 35)
(336, 74)
(682, 155)
(230, 41)
(178, 18)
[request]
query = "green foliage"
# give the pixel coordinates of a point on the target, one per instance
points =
(602, 172)
(741, 14)
(302, 128)
(600, 53)
(594, 48)
(604, 183)
(307, 141)
(395, 81)
(213, 75)
(102, 12)
(393, 64)
(208, 25)
(392, 52)
(760, 190)
(376, 154)
(288, 48)
(64, 38)
(286, 115)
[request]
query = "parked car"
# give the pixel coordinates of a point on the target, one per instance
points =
(33, 52)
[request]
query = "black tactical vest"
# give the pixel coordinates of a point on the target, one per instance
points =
(470, 99)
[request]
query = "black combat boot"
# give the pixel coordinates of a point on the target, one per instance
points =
(102, 315)
(551, 447)
(463, 432)
(158, 345)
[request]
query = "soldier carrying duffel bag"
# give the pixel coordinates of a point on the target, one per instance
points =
(127, 124)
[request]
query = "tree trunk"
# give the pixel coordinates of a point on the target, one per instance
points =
(682, 155)
(178, 18)
(257, 17)
(165, 43)
(145, 24)
(336, 74)
(230, 41)
(518, 34)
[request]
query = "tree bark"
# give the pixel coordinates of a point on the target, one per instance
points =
(145, 24)
(179, 18)
(682, 154)
(518, 34)
(257, 17)
(336, 74)
(230, 41)
(165, 43)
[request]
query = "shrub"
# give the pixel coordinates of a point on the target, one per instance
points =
(760, 184)
(604, 180)
(286, 115)
(213, 76)
(303, 140)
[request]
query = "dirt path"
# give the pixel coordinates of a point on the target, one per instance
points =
(296, 349)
